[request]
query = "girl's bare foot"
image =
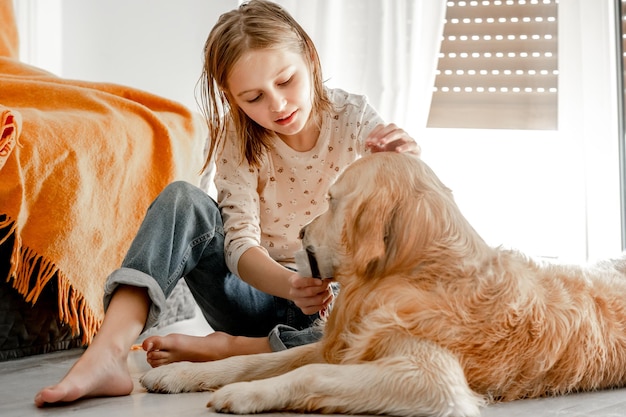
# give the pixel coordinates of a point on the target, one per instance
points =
(102, 370)
(95, 374)
(175, 347)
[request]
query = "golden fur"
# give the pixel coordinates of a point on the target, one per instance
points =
(430, 320)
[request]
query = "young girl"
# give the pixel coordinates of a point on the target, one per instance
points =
(284, 139)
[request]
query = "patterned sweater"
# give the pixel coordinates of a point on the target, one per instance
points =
(267, 206)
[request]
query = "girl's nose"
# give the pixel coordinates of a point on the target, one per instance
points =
(278, 103)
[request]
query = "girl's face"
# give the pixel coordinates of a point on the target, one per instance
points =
(273, 87)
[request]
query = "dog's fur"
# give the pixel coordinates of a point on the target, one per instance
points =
(430, 320)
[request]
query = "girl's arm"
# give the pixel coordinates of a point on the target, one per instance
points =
(262, 272)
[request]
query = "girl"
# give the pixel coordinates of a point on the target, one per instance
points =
(284, 139)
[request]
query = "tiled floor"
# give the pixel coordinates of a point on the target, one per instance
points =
(21, 379)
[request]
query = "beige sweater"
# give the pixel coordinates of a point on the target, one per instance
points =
(267, 207)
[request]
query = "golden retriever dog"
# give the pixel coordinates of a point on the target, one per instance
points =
(430, 320)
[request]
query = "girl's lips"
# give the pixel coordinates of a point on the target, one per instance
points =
(286, 120)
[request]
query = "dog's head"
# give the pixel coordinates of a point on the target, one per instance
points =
(388, 212)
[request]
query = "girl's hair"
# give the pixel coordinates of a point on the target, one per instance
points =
(256, 24)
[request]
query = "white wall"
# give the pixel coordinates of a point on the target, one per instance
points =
(154, 45)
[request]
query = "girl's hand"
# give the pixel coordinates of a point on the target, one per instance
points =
(310, 294)
(390, 138)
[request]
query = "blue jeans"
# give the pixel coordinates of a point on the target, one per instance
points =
(182, 236)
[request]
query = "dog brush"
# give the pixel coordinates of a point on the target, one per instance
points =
(314, 262)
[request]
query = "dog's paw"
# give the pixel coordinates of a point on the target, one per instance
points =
(245, 398)
(175, 378)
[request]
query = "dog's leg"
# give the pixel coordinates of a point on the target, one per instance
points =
(431, 383)
(206, 376)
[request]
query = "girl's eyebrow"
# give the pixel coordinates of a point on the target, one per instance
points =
(246, 92)
(256, 89)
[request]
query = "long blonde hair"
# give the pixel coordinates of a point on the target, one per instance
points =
(256, 24)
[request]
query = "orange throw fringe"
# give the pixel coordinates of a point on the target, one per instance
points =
(29, 267)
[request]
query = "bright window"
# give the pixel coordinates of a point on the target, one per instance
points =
(498, 66)
(40, 32)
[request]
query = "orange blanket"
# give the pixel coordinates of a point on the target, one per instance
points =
(79, 164)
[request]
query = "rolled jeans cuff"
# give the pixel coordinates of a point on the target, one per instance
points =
(134, 278)
(284, 337)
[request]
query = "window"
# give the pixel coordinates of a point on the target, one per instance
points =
(39, 25)
(498, 66)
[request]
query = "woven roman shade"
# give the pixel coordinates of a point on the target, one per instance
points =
(498, 66)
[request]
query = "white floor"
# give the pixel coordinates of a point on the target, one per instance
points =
(21, 379)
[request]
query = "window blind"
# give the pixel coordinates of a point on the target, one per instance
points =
(498, 66)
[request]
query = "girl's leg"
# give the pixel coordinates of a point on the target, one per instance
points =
(102, 370)
(182, 236)
(176, 227)
(248, 325)
(175, 347)
(241, 315)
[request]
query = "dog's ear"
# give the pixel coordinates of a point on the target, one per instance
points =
(383, 216)
(366, 233)
(388, 234)
(407, 218)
